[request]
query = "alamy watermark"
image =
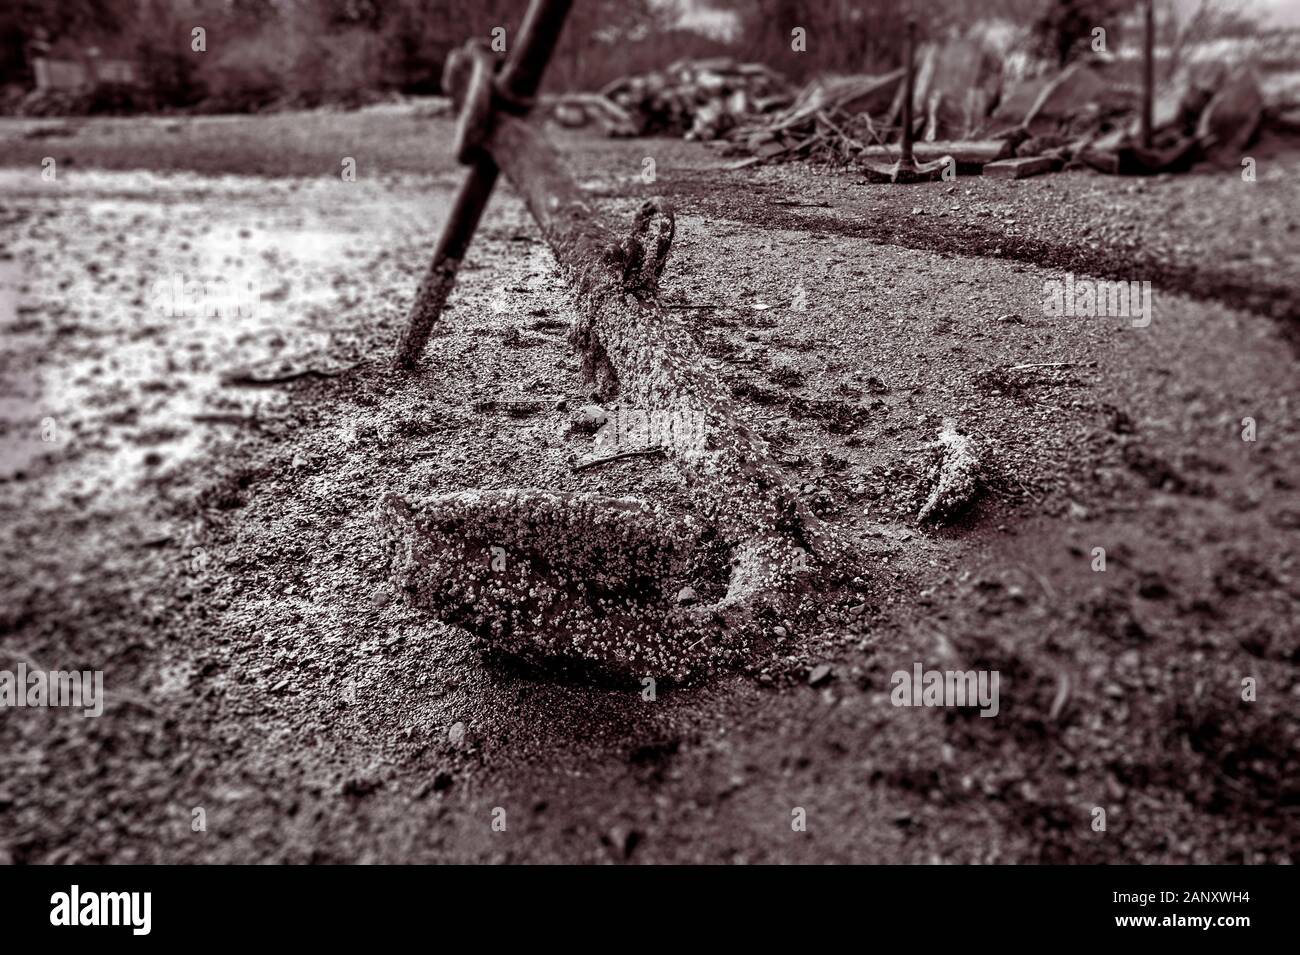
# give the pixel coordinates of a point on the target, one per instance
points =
(79, 689)
(922, 687)
(130, 909)
(626, 429)
(1089, 298)
(171, 296)
(176, 296)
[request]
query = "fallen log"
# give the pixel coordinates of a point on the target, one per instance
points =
(968, 153)
(639, 353)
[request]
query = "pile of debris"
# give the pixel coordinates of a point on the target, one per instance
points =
(1088, 114)
(1212, 118)
(830, 121)
(699, 99)
(963, 106)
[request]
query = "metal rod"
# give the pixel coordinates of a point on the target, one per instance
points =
(453, 243)
(522, 73)
(909, 87)
(519, 79)
(1148, 74)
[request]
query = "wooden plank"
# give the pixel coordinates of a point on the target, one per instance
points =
(1020, 168)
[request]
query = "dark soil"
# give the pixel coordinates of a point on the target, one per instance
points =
(212, 546)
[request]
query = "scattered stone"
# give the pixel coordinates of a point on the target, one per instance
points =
(953, 478)
(820, 674)
(359, 786)
(624, 840)
(1232, 118)
(1062, 98)
(589, 418)
(456, 734)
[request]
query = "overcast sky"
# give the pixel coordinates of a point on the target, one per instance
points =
(711, 17)
(1275, 12)
(1280, 11)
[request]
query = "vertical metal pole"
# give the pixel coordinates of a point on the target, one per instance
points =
(1148, 74)
(519, 79)
(909, 87)
(522, 73)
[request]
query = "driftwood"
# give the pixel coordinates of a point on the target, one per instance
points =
(968, 153)
(636, 351)
(530, 571)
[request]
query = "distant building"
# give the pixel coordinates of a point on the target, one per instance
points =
(68, 73)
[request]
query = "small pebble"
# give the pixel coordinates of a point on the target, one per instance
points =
(589, 417)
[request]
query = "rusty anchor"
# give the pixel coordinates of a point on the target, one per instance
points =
(616, 587)
(907, 169)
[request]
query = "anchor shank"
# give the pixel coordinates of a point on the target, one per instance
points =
(637, 350)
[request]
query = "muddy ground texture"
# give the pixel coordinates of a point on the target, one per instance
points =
(200, 523)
